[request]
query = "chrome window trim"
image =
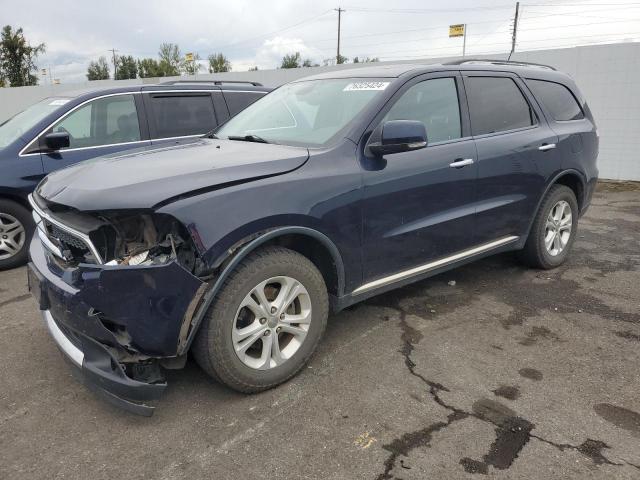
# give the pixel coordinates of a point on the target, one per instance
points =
(396, 277)
(29, 144)
(85, 238)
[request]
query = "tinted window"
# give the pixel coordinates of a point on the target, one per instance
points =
(238, 101)
(104, 121)
(434, 103)
(557, 99)
(496, 104)
(177, 116)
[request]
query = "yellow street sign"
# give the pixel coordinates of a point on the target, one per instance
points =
(188, 57)
(456, 30)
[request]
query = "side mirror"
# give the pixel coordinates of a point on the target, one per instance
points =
(57, 140)
(400, 136)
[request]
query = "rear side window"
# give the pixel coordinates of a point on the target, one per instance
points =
(496, 104)
(433, 102)
(178, 116)
(238, 101)
(557, 99)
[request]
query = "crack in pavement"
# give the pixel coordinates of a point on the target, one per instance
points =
(512, 431)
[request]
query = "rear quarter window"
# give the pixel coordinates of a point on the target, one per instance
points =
(557, 99)
(238, 101)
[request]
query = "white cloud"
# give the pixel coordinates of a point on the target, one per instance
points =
(257, 33)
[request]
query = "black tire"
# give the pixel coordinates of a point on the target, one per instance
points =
(535, 253)
(20, 213)
(213, 346)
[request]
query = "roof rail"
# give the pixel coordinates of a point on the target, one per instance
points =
(212, 82)
(483, 61)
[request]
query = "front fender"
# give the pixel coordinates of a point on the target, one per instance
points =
(248, 247)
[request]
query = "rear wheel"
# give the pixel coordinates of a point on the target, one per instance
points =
(265, 322)
(553, 231)
(16, 228)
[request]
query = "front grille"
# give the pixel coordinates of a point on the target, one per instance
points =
(66, 239)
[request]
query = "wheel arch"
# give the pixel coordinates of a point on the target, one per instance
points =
(14, 197)
(311, 243)
(570, 178)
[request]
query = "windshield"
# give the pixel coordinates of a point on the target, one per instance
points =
(23, 121)
(307, 113)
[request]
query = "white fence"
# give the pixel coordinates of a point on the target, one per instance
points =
(607, 75)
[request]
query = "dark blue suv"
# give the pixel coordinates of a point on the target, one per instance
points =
(321, 194)
(64, 130)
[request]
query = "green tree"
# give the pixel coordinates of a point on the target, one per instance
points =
(365, 60)
(127, 67)
(307, 63)
(291, 61)
(170, 59)
(149, 67)
(341, 59)
(254, 69)
(219, 63)
(98, 70)
(17, 58)
(191, 67)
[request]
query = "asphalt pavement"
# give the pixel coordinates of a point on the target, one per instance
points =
(491, 370)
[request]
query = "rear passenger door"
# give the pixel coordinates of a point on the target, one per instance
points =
(175, 115)
(516, 153)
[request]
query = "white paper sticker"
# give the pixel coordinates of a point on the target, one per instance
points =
(59, 101)
(359, 86)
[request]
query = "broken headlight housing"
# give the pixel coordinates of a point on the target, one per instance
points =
(144, 239)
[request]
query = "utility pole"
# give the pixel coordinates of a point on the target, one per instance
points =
(115, 64)
(339, 10)
(515, 31)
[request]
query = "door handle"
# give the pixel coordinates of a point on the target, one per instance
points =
(547, 146)
(461, 162)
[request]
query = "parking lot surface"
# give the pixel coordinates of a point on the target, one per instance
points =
(491, 369)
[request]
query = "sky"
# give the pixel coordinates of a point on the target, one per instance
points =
(259, 33)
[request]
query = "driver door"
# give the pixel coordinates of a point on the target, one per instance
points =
(98, 127)
(418, 205)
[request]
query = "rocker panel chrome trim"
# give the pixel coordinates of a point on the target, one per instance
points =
(381, 282)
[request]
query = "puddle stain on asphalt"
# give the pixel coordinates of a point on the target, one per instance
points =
(507, 391)
(512, 431)
(531, 374)
(628, 335)
(19, 298)
(537, 333)
(620, 417)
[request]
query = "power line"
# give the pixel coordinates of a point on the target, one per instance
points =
(276, 31)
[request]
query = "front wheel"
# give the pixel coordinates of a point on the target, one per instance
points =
(553, 231)
(16, 228)
(265, 322)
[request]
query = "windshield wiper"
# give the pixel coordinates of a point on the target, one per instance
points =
(247, 138)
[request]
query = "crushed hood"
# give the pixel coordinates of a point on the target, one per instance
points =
(146, 177)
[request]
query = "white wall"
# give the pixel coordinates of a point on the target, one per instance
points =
(608, 75)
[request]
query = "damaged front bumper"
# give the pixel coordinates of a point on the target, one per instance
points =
(116, 324)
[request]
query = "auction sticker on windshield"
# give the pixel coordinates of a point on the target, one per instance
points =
(358, 86)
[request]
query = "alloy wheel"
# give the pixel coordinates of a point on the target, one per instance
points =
(271, 323)
(12, 236)
(558, 228)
